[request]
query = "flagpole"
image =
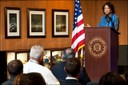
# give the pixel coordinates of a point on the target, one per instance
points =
(82, 56)
(76, 55)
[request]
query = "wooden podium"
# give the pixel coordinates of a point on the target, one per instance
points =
(101, 51)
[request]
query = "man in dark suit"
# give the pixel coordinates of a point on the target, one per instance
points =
(72, 69)
(58, 68)
(15, 67)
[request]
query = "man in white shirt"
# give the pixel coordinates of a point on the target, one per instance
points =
(33, 65)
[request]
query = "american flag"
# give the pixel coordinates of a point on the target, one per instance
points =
(78, 34)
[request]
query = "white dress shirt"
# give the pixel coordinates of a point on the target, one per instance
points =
(33, 66)
(71, 78)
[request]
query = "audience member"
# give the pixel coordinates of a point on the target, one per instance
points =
(126, 76)
(58, 68)
(111, 78)
(33, 65)
(123, 71)
(72, 69)
(29, 79)
(15, 67)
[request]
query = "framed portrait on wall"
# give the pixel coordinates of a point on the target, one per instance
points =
(12, 22)
(36, 23)
(60, 23)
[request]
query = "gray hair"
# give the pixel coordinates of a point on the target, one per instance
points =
(36, 51)
(68, 53)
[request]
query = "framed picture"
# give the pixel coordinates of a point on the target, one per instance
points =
(10, 56)
(12, 22)
(36, 23)
(23, 56)
(57, 55)
(60, 23)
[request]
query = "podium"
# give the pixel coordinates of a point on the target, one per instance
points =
(101, 51)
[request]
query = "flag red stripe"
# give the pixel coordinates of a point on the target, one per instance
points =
(77, 35)
(79, 44)
(80, 22)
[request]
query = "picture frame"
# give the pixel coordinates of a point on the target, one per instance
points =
(12, 22)
(10, 56)
(36, 23)
(60, 23)
(23, 56)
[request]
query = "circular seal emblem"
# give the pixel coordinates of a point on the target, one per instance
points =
(97, 47)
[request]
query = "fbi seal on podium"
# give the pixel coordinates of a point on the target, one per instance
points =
(97, 47)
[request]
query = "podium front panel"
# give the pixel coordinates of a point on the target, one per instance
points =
(99, 58)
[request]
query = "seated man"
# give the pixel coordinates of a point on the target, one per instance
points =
(72, 69)
(33, 65)
(15, 67)
(58, 69)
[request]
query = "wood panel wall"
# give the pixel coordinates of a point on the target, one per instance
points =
(24, 42)
(92, 11)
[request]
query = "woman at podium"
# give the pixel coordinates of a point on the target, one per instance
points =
(109, 18)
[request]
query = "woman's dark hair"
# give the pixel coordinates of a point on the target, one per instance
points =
(110, 5)
(29, 79)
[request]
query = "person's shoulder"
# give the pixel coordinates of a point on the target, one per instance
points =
(43, 67)
(29, 64)
(102, 17)
(114, 16)
(58, 66)
(4, 83)
(33, 65)
(7, 82)
(69, 82)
